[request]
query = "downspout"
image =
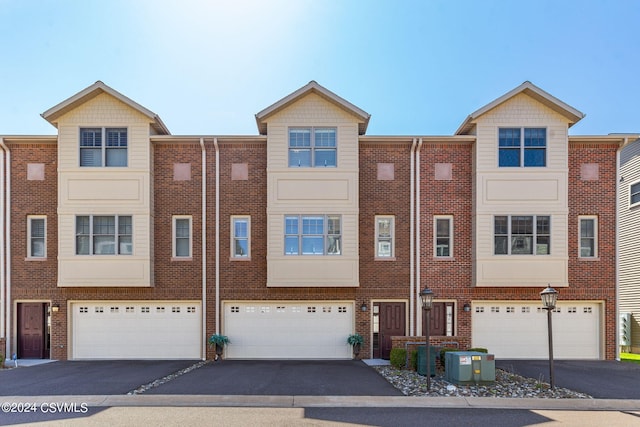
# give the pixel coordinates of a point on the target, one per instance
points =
(2, 239)
(204, 248)
(418, 237)
(618, 204)
(6, 247)
(215, 144)
(411, 238)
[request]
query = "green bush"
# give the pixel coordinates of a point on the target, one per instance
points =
(479, 350)
(398, 358)
(444, 351)
(413, 361)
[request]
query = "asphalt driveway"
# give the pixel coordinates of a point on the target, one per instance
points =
(602, 379)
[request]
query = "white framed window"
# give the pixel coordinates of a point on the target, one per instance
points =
(522, 235)
(634, 194)
(385, 236)
(443, 236)
(518, 147)
(103, 147)
(37, 236)
(104, 235)
(312, 235)
(312, 147)
(588, 235)
(182, 236)
(240, 236)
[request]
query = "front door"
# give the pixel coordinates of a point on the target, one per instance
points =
(32, 330)
(391, 323)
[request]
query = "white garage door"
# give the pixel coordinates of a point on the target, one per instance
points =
(288, 330)
(136, 330)
(518, 330)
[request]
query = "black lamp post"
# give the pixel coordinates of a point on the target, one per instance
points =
(549, 297)
(427, 299)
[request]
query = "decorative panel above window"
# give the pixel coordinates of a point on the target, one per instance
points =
(522, 235)
(312, 235)
(103, 147)
(519, 147)
(312, 147)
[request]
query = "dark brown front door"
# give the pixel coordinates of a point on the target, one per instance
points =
(438, 318)
(392, 323)
(31, 330)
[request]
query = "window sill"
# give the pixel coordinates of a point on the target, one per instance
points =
(239, 258)
(391, 258)
(186, 258)
(444, 258)
(35, 259)
(587, 259)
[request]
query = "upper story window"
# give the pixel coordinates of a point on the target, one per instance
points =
(522, 235)
(182, 236)
(312, 147)
(588, 236)
(240, 232)
(103, 147)
(37, 235)
(443, 236)
(634, 194)
(312, 235)
(385, 236)
(104, 235)
(519, 147)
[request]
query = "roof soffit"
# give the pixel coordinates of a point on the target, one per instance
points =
(571, 114)
(87, 94)
(313, 87)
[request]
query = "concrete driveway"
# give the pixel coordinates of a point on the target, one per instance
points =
(602, 379)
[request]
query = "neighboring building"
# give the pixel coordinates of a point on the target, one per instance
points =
(629, 246)
(128, 242)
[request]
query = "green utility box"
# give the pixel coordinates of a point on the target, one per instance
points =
(422, 361)
(470, 367)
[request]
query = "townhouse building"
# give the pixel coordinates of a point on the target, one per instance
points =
(123, 241)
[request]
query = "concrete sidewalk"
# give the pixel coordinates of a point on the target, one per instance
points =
(332, 402)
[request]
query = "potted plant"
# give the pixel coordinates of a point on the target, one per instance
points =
(355, 341)
(219, 341)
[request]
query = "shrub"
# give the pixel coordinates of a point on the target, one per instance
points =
(413, 361)
(444, 351)
(479, 350)
(398, 357)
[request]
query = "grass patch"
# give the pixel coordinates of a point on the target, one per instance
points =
(630, 357)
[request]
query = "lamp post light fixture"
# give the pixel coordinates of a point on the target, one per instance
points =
(549, 297)
(427, 300)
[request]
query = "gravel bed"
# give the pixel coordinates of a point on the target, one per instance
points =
(507, 385)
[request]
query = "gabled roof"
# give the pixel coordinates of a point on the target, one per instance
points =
(313, 87)
(53, 113)
(528, 88)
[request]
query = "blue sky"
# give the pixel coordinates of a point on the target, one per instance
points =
(418, 67)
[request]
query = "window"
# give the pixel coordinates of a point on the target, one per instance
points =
(312, 147)
(181, 236)
(634, 193)
(103, 147)
(103, 235)
(37, 233)
(588, 236)
(384, 236)
(312, 235)
(443, 236)
(240, 232)
(522, 235)
(522, 147)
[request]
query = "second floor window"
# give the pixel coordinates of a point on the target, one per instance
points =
(522, 235)
(443, 232)
(588, 236)
(384, 236)
(241, 231)
(634, 194)
(312, 147)
(37, 237)
(104, 235)
(519, 147)
(182, 237)
(103, 147)
(312, 235)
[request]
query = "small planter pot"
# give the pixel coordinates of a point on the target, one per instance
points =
(356, 350)
(219, 351)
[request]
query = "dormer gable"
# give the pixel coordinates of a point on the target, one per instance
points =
(570, 114)
(361, 116)
(74, 102)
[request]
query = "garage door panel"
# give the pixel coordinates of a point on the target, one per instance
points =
(136, 330)
(518, 330)
(288, 330)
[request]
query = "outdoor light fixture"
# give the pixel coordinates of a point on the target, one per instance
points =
(363, 307)
(549, 297)
(55, 308)
(466, 307)
(427, 301)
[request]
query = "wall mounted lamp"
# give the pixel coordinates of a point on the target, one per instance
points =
(363, 307)
(466, 307)
(55, 308)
